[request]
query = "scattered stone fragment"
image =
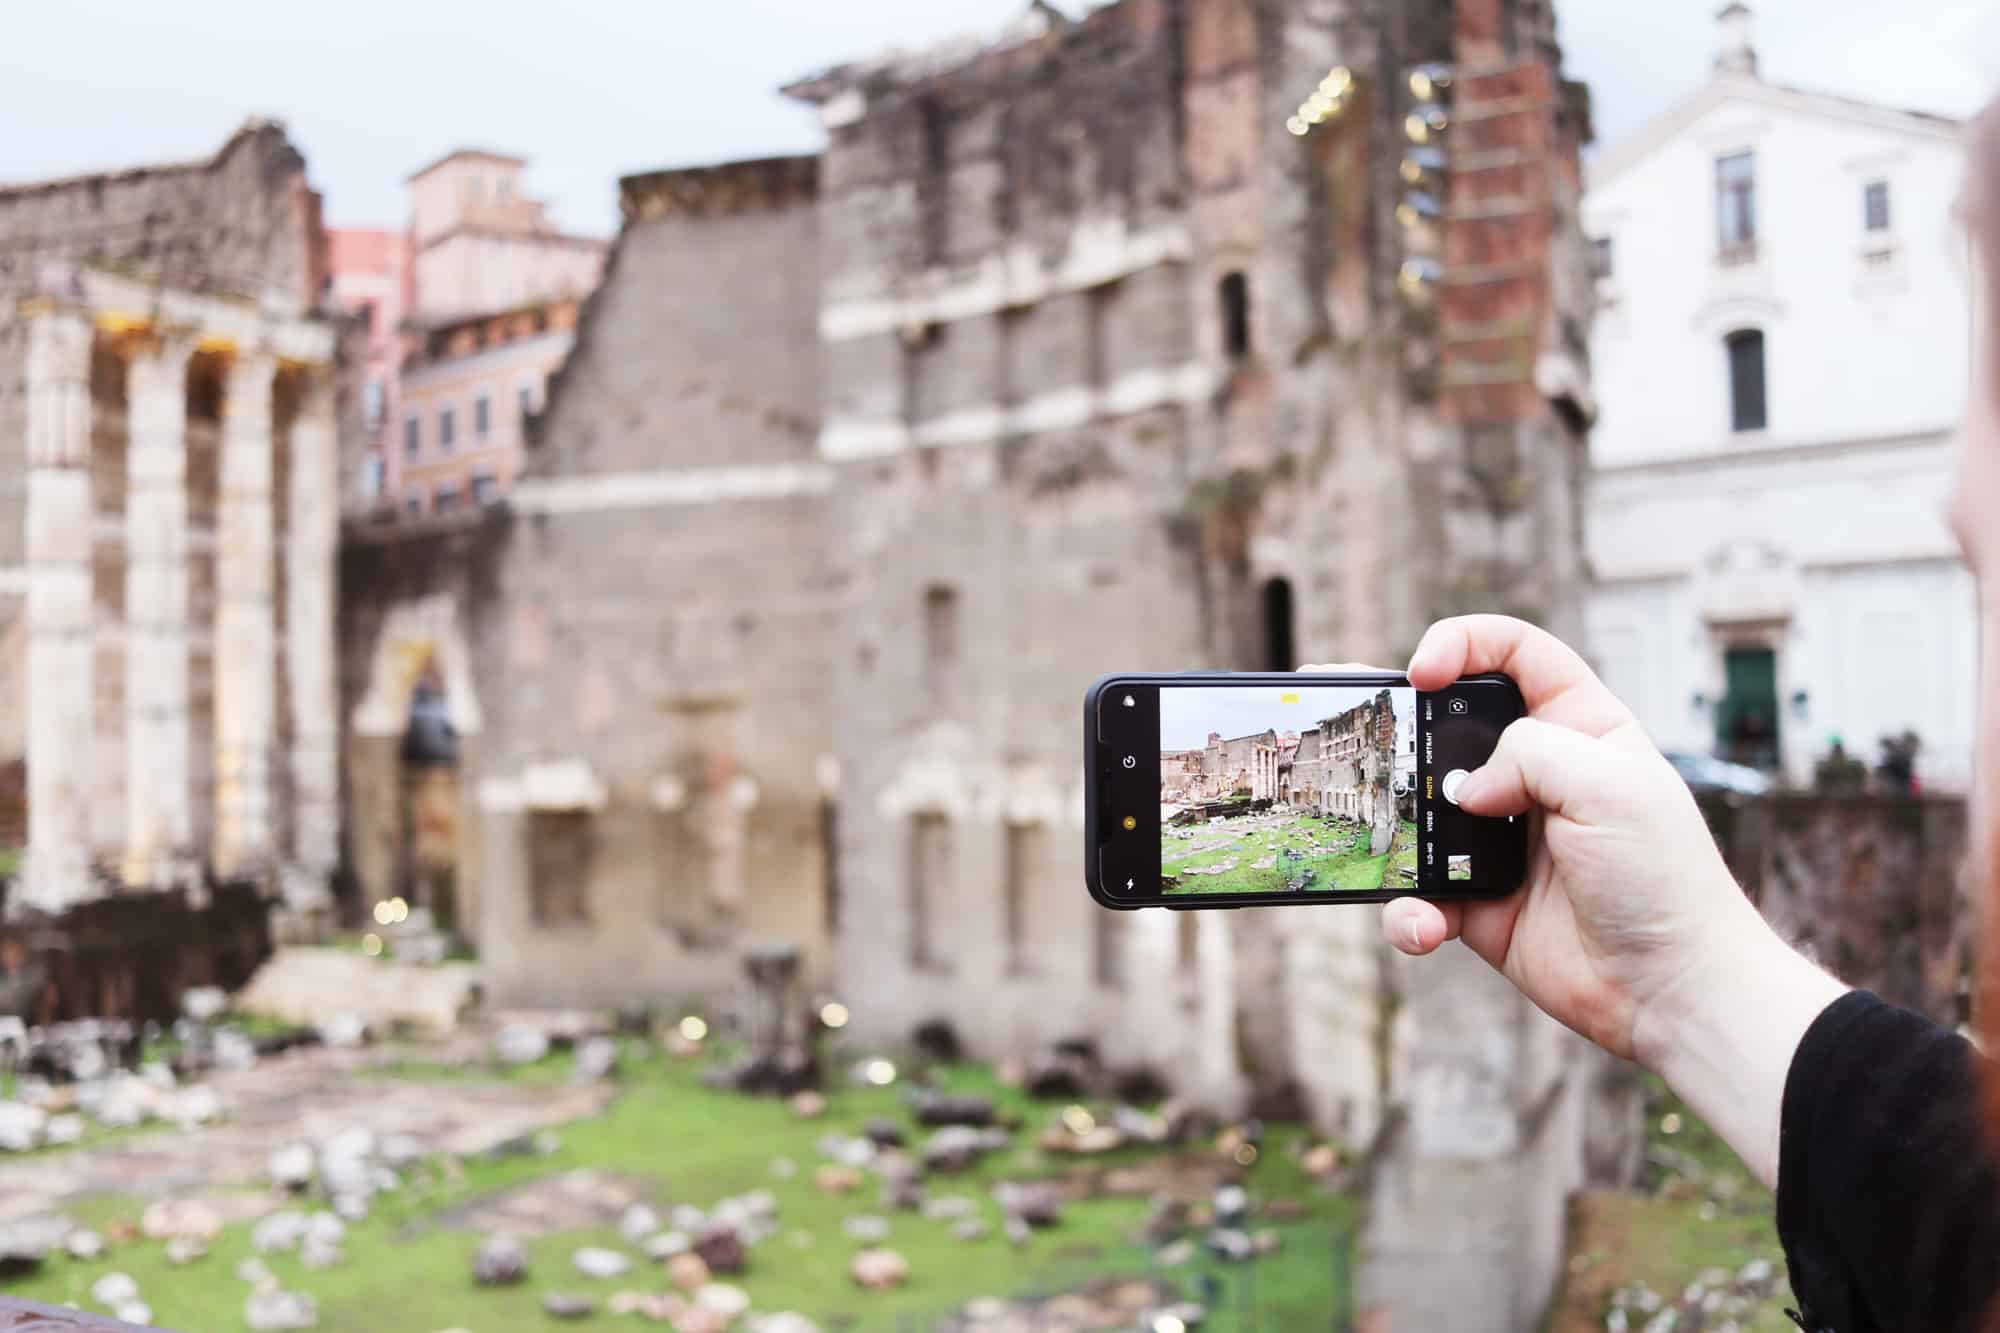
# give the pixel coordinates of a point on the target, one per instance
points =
(694, 1319)
(21, 1126)
(1230, 1244)
(204, 1004)
(721, 1248)
(195, 1106)
(1016, 1231)
(1755, 1273)
(687, 1217)
(344, 1032)
(879, 1270)
(1265, 1241)
(971, 1228)
(316, 1253)
(637, 1223)
(627, 1302)
(883, 1132)
(499, 1262)
(568, 1305)
(959, 1147)
(785, 1321)
(1176, 1254)
(784, 1168)
(254, 1271)
(837, 1178)
(184, 1250)
(688, 1271)
(939, 1109)
(278, 1232)
(1232, 1205)
(721, 1298)
(275, 1310)
(1038, 1204)
(950, 1207)
(352, 1207)
(83, 1243)
(866, 1228)
(595, 1261)
(519, 1044)
(808, 1105)
(114, 1289)
(667, 1244)
(597, 1058)
(291, 1167)
(132, 1312)
(1166, 1219)
(26, 1243)
(63, 1129)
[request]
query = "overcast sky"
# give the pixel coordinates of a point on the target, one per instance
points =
(1187, 715)
(372, 89)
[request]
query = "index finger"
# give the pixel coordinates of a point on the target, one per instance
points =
(1557, 684)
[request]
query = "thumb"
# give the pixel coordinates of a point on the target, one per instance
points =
(1538, 763)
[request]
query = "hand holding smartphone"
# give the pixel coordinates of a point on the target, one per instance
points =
(1231, 790)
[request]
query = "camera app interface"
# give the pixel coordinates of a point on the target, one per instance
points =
(1288, 790)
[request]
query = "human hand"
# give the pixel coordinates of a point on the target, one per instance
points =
(1627, 908)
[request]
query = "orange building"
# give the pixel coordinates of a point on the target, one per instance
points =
(470, 309)
(468, 386)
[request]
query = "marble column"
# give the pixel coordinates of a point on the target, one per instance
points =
(61, 654)
(159, 825)
(245, 638)
(313, 531)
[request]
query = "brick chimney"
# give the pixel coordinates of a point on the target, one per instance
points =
(1734, 53)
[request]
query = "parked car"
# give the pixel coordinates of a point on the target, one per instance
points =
(1705, 773)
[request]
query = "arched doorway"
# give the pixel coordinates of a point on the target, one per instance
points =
(1280, 651)
(427, 864)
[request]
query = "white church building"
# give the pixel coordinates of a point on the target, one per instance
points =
(1781, 359)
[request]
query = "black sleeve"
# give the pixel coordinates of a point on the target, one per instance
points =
(1888, 1193)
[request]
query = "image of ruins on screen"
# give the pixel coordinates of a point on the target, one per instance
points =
(1275, 790)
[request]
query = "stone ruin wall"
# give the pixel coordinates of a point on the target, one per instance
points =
(644, 628)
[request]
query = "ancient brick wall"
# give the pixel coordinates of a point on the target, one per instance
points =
(1870, 886)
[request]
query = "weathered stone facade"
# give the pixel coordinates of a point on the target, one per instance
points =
(1064, 358)
(168, 522)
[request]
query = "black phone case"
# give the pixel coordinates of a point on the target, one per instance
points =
(1093, 877)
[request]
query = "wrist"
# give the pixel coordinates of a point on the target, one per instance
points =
(1723, 1035)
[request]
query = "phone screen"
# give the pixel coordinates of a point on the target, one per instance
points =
(1277, 790)
(1232, 790)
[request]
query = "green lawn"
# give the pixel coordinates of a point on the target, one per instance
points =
(1335, 850)
(406, 1271)
(1702, 1212)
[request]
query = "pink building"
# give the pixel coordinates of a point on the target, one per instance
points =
(469, 311)
(372, 277)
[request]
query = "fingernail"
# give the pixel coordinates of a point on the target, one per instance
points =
(1412, 936)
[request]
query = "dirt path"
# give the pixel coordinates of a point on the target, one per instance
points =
(304, 1095)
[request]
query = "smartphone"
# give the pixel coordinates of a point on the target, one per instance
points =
(1220, 789)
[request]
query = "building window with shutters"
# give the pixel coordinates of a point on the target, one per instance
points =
(1736, 207)
(1023, 853)
(482, 417)
(1745, 349)
(1875, 207)
(929, 881)
(560, 851)
(447, 429)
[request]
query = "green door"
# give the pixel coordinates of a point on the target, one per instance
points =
(1746, 725)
